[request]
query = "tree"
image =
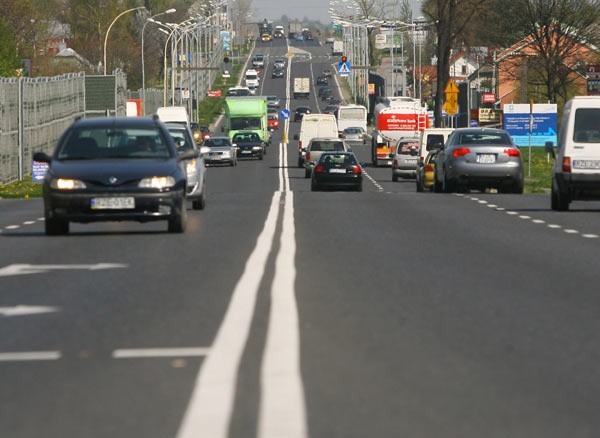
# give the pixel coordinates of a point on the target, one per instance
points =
(9, 61)
(559, 33)
(451, 18)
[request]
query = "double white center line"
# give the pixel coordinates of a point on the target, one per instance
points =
(282, 410)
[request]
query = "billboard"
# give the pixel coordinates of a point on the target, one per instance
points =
(226, 38)
(537, 123)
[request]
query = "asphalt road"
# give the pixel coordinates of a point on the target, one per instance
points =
(286, 313)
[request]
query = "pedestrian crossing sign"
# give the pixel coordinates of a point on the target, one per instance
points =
(343, 68)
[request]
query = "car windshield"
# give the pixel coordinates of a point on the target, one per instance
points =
(245, 123)
(251, 136)
(109, 142)
(182, 140)
(326, 145)
(483, 139)
(217, 142)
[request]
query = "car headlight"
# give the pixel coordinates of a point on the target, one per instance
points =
(67, 184)
(157, 182)
(256, 148)
(190, 168)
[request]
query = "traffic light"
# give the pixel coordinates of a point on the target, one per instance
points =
(344, 59)
(226, 60)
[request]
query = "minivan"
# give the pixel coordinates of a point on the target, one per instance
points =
(432, 139)
(314, 125)
(576, 169)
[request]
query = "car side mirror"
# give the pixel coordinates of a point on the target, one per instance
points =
(550, 148)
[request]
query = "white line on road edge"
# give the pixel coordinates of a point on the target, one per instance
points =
(282, 406)
(26, 356)
(135, 353)
(211, 405)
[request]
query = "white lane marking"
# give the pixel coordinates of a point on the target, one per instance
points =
(28, 222)
(590, 236)
(282, 406)
(375, 183)
(26, 356)
(492, 206)
(482, 201)
(26, 269)
(135, 353)
(211, 404)
(554, 226)
(12, 227)
(570, 231)
(524, 217)
(512, 213)
(22, 310)
(538, 221)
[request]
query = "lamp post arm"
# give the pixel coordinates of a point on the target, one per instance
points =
(110, 27)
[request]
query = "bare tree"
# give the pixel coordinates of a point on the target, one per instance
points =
(451, 18)
(558, 43)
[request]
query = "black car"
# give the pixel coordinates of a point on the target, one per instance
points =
(337, 170)
(115, 169)
(300, 111)
(330, 109)
(323, 88)
(327, 95)
(278, 73)
(248, 144)
(322, 80)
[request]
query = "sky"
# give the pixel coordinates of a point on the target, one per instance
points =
(313, 9)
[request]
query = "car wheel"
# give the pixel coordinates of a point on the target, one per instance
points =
(394, 177)
(260, 157)
(558, 201)
(307, 173)
(420, 187)
(300, 162)
(178, 223)
(518, 189)
(437, 186)
(359, 187)
(448, 186)
(200, 203)
(314, 187)
(56, 227)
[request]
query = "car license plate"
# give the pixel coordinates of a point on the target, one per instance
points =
(586, 164)
(337, 170)
(486, 158)
(411, 161)
(215, 156)
(120, 203)
(246, 152)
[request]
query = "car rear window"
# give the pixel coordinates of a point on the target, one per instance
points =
(434, 141)
(405, 148)
(587, 127)
(338, 159)
(484, 139)
(327, 146)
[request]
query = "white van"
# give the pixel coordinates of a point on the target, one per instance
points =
(315, 125)
(431, 139)
(173, 114)
(576, 170)
(252, 80)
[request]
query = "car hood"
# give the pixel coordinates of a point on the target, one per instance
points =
(104, 171)
(220, 148)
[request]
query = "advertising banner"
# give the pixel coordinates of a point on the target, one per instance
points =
(226, 38)
(522, 123)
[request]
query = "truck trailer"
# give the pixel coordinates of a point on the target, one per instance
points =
(301, 88)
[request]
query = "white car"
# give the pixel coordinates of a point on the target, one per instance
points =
(405, 159)
(329, 40)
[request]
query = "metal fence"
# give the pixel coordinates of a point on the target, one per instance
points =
(34, 112)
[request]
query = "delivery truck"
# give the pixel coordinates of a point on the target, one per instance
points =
(301, 88)
(247, 113)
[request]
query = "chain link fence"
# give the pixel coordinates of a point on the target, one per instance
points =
(34, 112)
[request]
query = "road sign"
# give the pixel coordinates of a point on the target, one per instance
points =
(344, 68)
(284, 114)
(451, 91)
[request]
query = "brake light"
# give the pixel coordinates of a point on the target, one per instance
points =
(308, 156)
(512, 152)
(428, 168)
(300, 144)
(566, 167)
(395, 165)
(357, 170)
(319, 169)
(460, 152)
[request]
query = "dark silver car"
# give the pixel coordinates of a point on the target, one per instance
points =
(319, 145)
(220, 151)
(480, 159)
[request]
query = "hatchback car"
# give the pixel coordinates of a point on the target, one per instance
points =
(248, 145)
(479, 158)
(220, 150)
(195, 169)
(316, 147)
(424, 173)
(273, 122)
(300, 111)
(405, 158)
(115, 169)
(327, 72)
(354, 134)
(322, 80)
(337, 170)
(279, 63)
(258, 61)
(273, 101)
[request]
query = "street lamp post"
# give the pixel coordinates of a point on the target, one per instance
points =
(148, 20)
(111, 25)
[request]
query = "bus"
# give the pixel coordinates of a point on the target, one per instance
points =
(351, 116)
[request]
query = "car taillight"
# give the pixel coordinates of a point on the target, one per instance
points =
(428, 168)
(319, 169)
(300, 144)
(308, 156)
(421, 159)
(512, 152)
(460, 152)
(566, 165)
(395, 164)
(357, 170)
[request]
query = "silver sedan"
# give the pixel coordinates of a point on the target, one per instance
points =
(480, 159)
(220, 151)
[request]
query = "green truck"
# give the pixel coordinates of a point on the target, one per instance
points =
(247, 113)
